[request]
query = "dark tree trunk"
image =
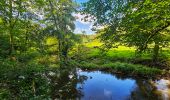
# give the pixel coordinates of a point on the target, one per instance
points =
(60, 53)
(64, 54)
(155, 52)
(11, 39)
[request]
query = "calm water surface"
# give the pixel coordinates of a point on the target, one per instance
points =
(76, 84)
(105, 86)
(97, 85)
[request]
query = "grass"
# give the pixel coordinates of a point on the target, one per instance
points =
(93, 43)
(123, 52)
(117, 60)
(124, 68)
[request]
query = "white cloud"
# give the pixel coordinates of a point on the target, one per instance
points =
(80, 30)
(80, 18)
(82, 25)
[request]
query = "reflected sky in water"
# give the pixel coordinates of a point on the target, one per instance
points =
(102, 86)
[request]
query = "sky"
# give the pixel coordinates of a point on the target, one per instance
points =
(81, 1)
(80, 24)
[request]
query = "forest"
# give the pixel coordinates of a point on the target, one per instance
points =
(126, 58)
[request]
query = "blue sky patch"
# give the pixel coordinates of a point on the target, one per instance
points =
(82, 25)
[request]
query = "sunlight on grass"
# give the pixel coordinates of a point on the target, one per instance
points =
(93, 43)
(121, 53)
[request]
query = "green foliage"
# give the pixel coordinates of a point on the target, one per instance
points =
(124, 68)
(88, 65)
(118, 59)
(37, 37)
(133, 69)
(60, 23)
(4, 93)
(4, 46)
(80, 53)
(21, 81)
(132, 22)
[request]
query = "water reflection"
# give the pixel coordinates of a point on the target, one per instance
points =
(163, 88)
(144, 90)
(84, 85)
(104, 86)
(63, 85)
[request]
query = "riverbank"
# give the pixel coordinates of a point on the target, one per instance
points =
(125, 69)
(122, 60)
(36, 80)
(24, 77)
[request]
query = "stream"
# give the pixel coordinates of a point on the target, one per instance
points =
(77, 84)
(99, 85)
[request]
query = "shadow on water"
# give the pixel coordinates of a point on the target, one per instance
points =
(86, 85)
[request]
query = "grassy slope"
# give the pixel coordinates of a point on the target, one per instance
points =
(118, 59)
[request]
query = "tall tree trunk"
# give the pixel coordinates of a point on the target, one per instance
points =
(63, 47)
(11, 37)
(155, 51)
(58, 35)
(60, 50)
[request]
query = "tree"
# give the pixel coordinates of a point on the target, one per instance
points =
(145, 22)
(16, 18)
(133, 22)
(60, 23)
(9, 16)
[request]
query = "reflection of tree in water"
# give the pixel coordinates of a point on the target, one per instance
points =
(120, 76)
(80, 83)
(64, 85)
(68, 84)
(145, 90)
(55, 84)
